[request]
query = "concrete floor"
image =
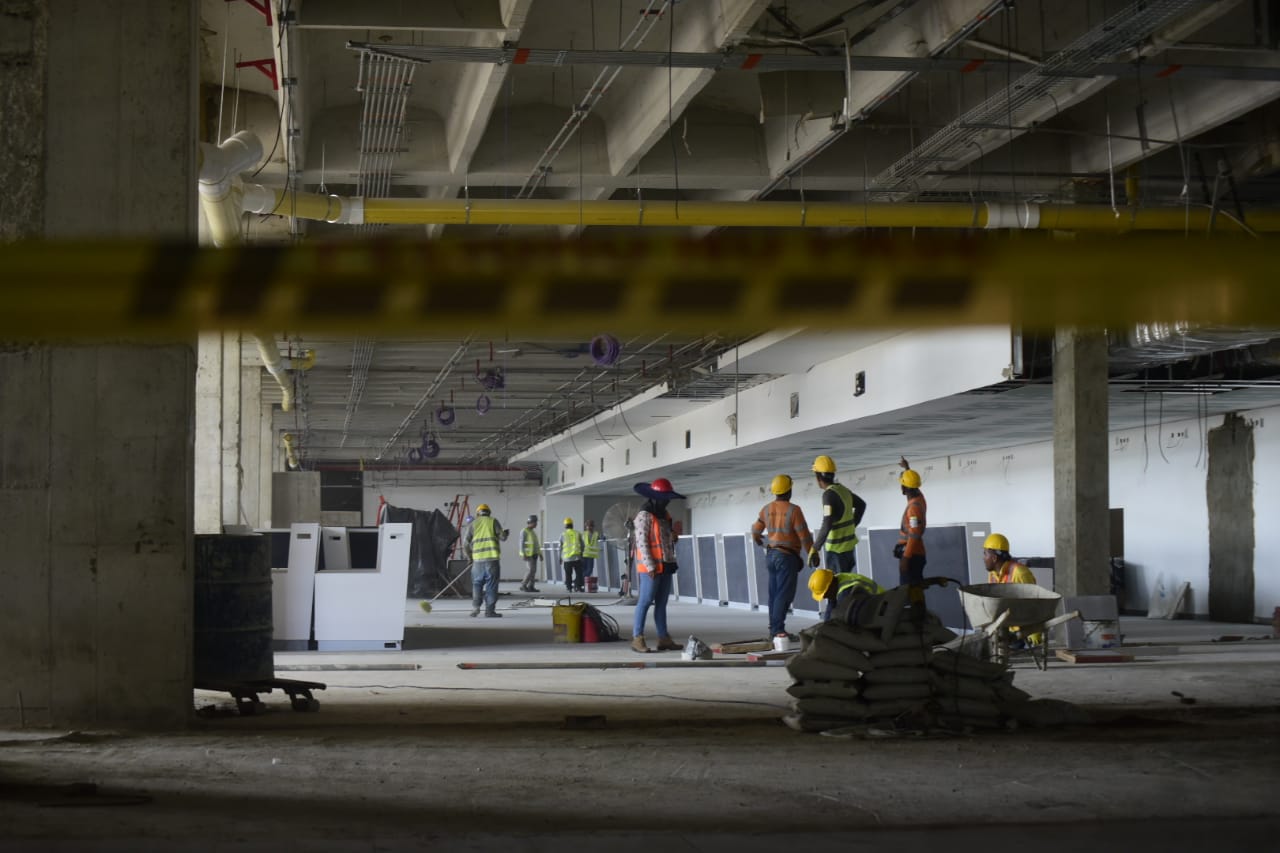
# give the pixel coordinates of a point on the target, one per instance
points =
(691, 758)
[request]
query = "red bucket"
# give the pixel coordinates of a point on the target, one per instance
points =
(590, 634)
(591, 584)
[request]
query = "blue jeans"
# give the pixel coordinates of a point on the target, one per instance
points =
(784, 570)
(484, 583)
(844, 561)
(588, 566)
(655, 590)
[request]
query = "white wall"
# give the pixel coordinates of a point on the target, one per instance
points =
(1160, 486)
(511, 499)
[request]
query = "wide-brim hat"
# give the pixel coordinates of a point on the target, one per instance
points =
(659, 490)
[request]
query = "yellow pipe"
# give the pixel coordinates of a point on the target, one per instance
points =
(758, 214)
(291, 457)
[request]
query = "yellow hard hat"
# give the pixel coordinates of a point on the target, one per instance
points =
(996, 542)
(824, 465)
(781, 484)
(910, 479)
(568, 522)
(819, 582)
(482, 508)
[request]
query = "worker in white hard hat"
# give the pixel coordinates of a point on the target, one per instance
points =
(530, 552)
(842, 512)
(571, 557)
(482, 546)
(780, 528)
(910, 548)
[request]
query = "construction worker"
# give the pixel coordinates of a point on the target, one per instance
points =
(842, 512)
(590, 548)
(655, 558)
(1002, 568)
(482, 547)
(531, 551)
(910, 548)
(571, 557)
(826, 585)
(788, 541)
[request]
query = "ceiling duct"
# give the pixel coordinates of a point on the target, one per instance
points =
(1149, 344)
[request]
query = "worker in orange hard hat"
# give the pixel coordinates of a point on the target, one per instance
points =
(788, 541)
(842, 511)
(655, 556)
(910, 548)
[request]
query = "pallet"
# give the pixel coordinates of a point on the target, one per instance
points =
(767, 656)
(1093, 656)
(739, 647)
(246, 692)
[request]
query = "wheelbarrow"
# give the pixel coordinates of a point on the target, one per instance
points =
(1010, 612)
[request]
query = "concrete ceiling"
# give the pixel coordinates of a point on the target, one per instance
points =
(1066, 132)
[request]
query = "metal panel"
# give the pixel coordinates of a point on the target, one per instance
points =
(954, 551)
(737, 582)
(760, 573)
(708, 569)
(686, 585)
(292, 587)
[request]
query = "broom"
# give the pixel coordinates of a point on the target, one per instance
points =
(426, 605)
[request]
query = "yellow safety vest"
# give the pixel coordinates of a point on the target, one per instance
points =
(484, 539)
(529, 545)
(591, 543)
(570, 545)
(842, 536)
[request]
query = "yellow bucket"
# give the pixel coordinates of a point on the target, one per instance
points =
(566, 622)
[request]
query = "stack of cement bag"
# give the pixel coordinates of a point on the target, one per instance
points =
(875, 663)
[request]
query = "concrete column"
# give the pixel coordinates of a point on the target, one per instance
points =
(1080, 463)
(96, 450)
(266, 464)
(250, 436)
(231, 411)
(208, 438)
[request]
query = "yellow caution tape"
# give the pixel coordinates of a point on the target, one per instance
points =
(734, 284)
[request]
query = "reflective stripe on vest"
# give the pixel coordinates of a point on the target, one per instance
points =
(484, 539)
(570, 545)
(781, 531)
(657, 547)
(591, 543)
(529, 544)
(842, 536)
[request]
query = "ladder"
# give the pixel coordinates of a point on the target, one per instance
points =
(459, 509)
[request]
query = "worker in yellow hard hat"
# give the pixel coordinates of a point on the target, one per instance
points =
(788, 540)
(482, 546)
(825, 584)
(910, 548)
(842, 511)
(571, 557)
(1002, 568)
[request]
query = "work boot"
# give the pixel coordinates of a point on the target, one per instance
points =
(666, 644)
(475, 611)
(532, 589)
(492, 614)
(637, 645)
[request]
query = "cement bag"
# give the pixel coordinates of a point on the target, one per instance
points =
(889, 708)
(877, 692)
(812, 723)
(805, 668)
(1047, 712)
(854, 638)
(966, 707)
(901, 657)
(848, 709)
(965, 688)
(826, 649)
(897, 675)
(828, 689)
(950, 663)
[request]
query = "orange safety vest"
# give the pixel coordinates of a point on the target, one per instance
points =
(913, 539)
(657, 545)
(786, 527)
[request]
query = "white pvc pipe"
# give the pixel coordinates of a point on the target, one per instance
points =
(274, 364)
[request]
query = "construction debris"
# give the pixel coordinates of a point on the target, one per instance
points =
(1093, 656)
(878, 665)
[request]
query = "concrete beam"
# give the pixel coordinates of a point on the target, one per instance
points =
(376, 15)
(478, 92)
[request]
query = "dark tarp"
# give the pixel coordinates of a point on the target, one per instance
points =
(433, 538)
